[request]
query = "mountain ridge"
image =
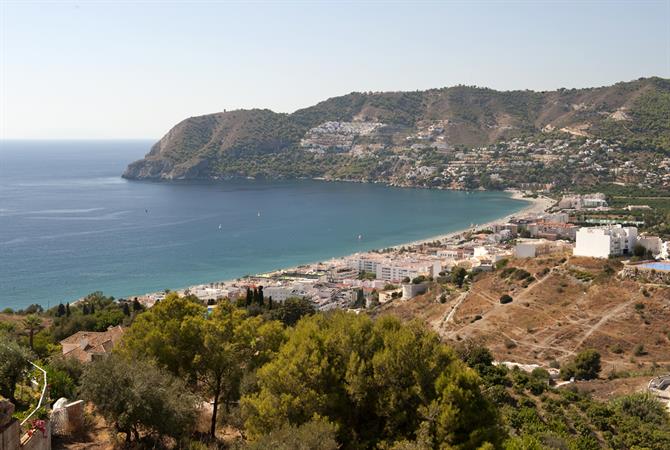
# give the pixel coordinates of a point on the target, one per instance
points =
(240, 143)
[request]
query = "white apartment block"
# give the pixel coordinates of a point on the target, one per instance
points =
(602, 242)
(389, 269)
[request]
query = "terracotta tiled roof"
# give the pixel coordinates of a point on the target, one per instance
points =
(84, 344)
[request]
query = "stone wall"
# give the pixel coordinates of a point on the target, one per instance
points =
(645, 274)
(9, 435)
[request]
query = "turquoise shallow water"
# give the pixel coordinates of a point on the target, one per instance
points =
(69, 225)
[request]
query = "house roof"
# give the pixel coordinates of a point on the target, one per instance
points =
(89, 343)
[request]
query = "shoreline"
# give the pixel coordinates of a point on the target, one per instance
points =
(536, 205)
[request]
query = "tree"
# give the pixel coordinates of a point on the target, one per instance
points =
(290, 311)
(639, 251)
(260, 295)
(67, 309)
(505, 298)
(230, 344)
(458, 276)
(126, 309)
(31, 324)
(137, 306)
(137, 395)
(214, 351)
(14, 364)
(379, 381)
(586, 366)
(169, 333)
(61, 310)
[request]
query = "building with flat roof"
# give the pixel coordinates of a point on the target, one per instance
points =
(603, 242)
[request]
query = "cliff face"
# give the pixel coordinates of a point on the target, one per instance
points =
(211, 146)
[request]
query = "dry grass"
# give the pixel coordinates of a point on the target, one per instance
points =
(576, 305)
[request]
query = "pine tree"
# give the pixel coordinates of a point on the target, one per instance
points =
(84, 309)
(270, 302)
(255, 296)
(126, 309)
(260, 295)
(249, 297)
(61, 310)
(67, 309)
(136, 305)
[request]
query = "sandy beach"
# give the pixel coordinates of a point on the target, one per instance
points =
(536, 206)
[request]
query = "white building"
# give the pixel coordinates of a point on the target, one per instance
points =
(281, 293)
(389, 269)
(411, 290)
(396, 271)
(531, 248)
(602, 242)
(651, 243)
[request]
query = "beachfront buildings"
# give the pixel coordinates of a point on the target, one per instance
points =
(596, 200)
(389, 269)
(603, 242)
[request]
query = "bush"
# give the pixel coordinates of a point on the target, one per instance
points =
(617, 349)
(505, 298)
(317, 434)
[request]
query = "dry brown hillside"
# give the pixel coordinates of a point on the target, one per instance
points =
(575, 303)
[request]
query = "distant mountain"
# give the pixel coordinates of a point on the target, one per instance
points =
(333, 137)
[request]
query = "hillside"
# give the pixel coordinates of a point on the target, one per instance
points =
(573, 304)
(384, 136)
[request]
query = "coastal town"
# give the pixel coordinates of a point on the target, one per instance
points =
(317, 225)
(426, 158)
(369, 279)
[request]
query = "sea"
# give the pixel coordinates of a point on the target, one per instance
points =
(70, 225)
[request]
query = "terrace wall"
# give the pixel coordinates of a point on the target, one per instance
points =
(636, 272)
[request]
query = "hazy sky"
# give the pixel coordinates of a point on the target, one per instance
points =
(133, 70)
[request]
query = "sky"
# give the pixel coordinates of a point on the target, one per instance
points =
(125, 70)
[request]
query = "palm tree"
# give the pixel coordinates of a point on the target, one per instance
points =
(31, 324)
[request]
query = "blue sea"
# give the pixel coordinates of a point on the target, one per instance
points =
(70, 225)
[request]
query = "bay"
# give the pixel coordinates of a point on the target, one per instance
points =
(70, 225)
